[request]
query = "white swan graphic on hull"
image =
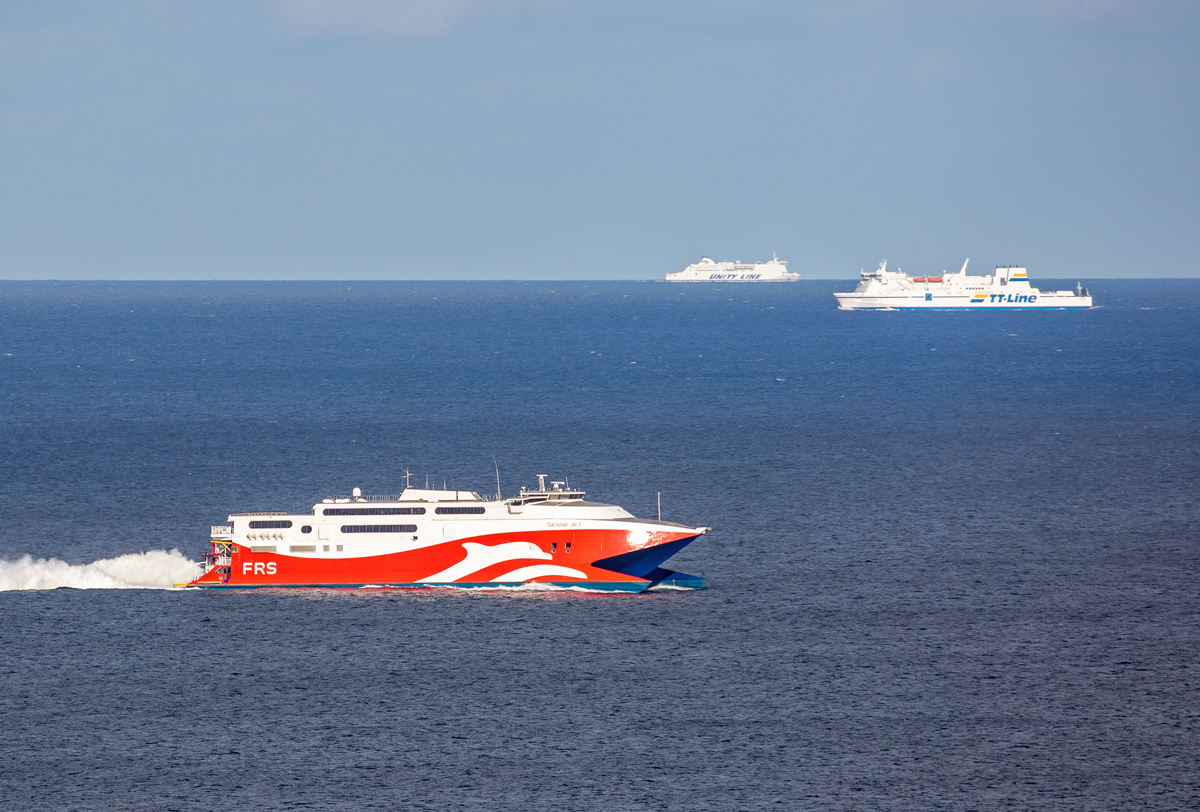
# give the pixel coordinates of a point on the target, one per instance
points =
(480, 556)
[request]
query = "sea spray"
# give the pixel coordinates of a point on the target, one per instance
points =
(155, 569)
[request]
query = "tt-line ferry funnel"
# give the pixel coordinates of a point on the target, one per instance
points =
(448, 538)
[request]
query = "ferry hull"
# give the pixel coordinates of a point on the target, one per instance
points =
(738, 278)
(609, 559)
(849, 301)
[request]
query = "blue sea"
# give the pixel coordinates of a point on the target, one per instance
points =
(953, 566)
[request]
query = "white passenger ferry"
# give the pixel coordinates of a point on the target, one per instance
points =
(1007, 288)
(708, 271)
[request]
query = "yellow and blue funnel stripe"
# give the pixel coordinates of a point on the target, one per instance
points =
(978, 298)
(1020, 275)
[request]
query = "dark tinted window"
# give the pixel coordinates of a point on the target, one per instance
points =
(269, 525)
(306, 529)
(379, 528)
(374, 511)
(460, 511)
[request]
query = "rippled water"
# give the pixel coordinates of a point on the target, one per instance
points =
(953, 563)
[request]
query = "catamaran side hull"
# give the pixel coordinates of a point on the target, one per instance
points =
(596, 586)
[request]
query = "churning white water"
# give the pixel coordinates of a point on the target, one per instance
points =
(156, 569)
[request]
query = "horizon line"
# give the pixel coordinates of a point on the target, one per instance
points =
(519, 279)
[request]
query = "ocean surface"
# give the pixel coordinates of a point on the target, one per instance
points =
(954, 558)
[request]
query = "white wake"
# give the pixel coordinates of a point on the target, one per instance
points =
(156, 569)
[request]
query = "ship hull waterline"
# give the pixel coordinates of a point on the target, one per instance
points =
(949, 303)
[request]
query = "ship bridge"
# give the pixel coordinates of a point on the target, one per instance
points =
(557, 492)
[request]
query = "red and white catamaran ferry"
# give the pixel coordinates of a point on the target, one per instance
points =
(427, 538)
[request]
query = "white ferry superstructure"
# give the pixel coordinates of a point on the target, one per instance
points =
(1008, 288)
(708, 271)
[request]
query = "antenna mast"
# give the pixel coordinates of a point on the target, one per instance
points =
(498, 497)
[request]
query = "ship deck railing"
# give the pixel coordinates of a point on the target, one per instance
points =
(389, 498)
(369, 498)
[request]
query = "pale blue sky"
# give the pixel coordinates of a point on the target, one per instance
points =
(443, 139)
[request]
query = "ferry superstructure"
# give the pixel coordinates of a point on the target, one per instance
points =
(1008, 288)
(448, 538)
(708, 271)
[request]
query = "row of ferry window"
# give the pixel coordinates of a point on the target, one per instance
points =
(374, 511)
(420, 511)
(346, 528)
(404, 511)
(379, 528)
(295, 548)
(306, 548)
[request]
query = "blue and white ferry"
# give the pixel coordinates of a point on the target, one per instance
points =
(1008, 288)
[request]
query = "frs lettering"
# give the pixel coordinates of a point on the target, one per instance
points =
(258, 567)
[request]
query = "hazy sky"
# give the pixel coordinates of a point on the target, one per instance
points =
(439, 139)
